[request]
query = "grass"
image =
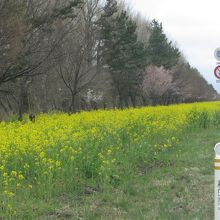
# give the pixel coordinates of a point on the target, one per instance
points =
(149, 163)
(178, 184)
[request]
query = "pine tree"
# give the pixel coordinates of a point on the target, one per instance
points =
(161, 51)
(121, 52)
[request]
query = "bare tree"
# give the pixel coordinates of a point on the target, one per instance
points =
(79, 51)
(29, 37)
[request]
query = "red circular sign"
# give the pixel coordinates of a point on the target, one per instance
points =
(217, 72)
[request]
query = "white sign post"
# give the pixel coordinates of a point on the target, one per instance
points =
(217, 181)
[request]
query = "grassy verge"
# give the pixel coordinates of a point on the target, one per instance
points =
(149, 163)
(178, 184)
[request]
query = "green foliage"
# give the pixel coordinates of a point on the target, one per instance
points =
(66, 11)
(198, 119)
(122, 53)
(69, 10)
(216, 119)
(161, 51)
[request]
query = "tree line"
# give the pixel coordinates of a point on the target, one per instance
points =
(74, 55)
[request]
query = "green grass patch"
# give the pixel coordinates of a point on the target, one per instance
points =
(149, 163)
(178, 184)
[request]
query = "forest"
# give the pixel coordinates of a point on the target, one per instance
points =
(74, 55)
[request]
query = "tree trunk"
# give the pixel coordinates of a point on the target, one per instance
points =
(133, 100)
(72, 104)
(120, 102)
(23, 98)
(126, 101)
(44, 88)
(3, 106)
(144, 100)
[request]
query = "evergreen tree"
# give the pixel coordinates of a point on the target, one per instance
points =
(121, 52)
(161, 51)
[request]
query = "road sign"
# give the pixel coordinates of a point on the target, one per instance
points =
(217, 72)
(217, 54)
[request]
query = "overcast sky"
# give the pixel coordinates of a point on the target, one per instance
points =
(192, 24)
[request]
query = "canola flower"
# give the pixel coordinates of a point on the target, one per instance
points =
(58, 150)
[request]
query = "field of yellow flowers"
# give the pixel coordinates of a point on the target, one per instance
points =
(61, 153)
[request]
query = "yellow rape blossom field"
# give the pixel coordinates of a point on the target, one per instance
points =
(61, 153)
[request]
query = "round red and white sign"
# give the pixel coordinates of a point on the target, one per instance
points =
(217, 72)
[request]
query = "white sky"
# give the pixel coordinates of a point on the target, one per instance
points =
(192, 24)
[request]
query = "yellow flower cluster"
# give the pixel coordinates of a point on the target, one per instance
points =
(59, 146)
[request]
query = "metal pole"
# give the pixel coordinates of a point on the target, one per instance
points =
(217, 181)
